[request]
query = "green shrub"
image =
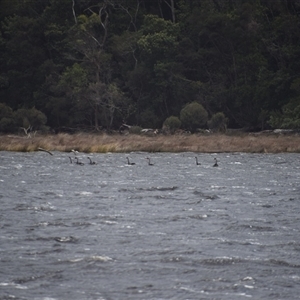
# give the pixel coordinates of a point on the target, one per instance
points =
(30, 117)
(193, 116)
(218, 122)
(135, 129)
(172, 124)
(289, 118)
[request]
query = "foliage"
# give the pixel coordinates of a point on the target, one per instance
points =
(289, 118)
(7, 122)
(98, 64)
(30, 118)
(193, 116)
(172, 124)
(135, 129)
(218, 122)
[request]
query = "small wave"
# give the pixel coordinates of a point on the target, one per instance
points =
(247, 278)
(206, 196)
(84, 193)
(260, 228)
(51, 193)
(218, 187)
(66, 239)
(280, 162)
(100, 258)
(22, 280)
(110, 222)
(81, 224)
(150, 189)
(198, 217)
(279, 262)
(159, 188)
(57, 223)
(221, 261)
(173, 259)
(47, 207)
(16, 285)
(93, 258)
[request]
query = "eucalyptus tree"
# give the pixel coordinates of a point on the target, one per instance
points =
(154, 80)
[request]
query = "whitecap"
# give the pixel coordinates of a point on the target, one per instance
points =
(17, 286)
(248, 278)
(75, 260)
(84, 193)
(249, 286)
(110, 222)
(100, 258)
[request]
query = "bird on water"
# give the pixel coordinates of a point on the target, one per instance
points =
(78, 162)
(129, 162)
(149, 163)
(216, 163)
(92, 162)
(197, 163)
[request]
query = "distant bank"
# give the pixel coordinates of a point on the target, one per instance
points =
(102, 143)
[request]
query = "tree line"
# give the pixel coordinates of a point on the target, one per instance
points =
(97, 64)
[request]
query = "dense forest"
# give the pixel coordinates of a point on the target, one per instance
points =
(97, 64)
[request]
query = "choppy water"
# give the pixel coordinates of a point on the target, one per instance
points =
(174, 230)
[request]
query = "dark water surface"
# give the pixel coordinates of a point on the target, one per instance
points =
(173, 230)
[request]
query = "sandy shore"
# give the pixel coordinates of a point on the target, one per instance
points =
(101, 143)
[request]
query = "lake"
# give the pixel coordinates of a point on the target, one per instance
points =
(171, 230)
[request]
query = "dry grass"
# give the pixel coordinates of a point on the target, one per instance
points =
(102, 143)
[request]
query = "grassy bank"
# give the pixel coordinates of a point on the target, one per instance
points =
(101, 143)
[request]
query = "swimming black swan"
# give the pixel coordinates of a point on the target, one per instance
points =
(128, 162)
(78, 162)
(149, 163)
(92, 162)
(197, 163)
(216, 163)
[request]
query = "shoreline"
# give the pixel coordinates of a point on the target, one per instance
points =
(201, 143)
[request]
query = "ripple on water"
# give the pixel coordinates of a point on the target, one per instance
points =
(174, 231)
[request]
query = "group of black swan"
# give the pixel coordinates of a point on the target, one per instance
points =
(77, 162)
(131, 163)
(214, 165)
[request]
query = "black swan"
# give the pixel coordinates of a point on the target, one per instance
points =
(149, 163)
(216, 163)
(92, 162)
(78, 162)
(129, 163)
(197, 163)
